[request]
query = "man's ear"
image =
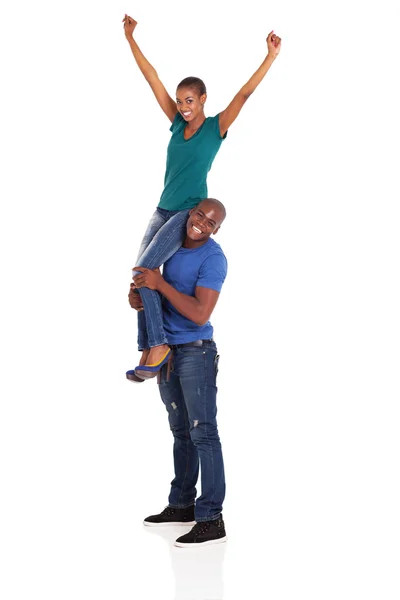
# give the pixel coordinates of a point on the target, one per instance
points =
(191, 210)
(216, 230)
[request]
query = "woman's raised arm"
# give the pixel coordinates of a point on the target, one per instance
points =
(227, 116)
(163, 98)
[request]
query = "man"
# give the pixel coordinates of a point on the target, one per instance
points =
(190, 286)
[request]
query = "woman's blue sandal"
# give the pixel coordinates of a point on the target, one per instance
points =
(149, 371)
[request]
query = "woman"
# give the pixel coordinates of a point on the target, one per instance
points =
(194, 144)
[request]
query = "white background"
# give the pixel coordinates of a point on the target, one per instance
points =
(307, 323)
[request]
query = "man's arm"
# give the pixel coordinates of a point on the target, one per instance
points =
(134, 298)
(197, 308)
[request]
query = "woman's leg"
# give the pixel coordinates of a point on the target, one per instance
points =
(165, 243)
(157, 220)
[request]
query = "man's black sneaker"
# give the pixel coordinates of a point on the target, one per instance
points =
(172, 516)
(203, 534)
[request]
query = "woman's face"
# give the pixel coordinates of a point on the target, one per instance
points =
(189, 103)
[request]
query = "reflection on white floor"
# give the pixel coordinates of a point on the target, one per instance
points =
(198, 572)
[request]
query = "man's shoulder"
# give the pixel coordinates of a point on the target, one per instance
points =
(213, 248)
(209, 252)
(214, 259)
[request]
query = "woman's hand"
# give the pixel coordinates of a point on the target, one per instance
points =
(274, 44)
(129, 25)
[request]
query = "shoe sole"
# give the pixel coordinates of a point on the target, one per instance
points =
(135, 379)
(197, 545)
(188, 523)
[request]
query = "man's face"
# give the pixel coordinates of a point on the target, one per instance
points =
(204, 220)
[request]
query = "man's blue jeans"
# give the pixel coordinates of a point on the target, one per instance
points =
(190, 397)
(165, 234)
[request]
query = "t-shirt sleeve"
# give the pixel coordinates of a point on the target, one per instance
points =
(177, 122)
(216, 128)
(213, 272)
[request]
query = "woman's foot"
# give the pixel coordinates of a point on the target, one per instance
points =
(155, 355)
(145, 354)
(157, 358)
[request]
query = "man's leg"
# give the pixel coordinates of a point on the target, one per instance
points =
(186, 460)
(197, 369)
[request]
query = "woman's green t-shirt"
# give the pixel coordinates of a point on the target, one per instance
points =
(188, 163)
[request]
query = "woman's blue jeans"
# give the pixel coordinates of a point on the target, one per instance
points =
(164, 236)
(190, 397)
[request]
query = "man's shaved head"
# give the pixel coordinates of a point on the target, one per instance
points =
(217, 204)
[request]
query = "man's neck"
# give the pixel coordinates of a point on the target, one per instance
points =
(192, 244)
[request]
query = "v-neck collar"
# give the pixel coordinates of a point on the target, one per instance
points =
(195, 133)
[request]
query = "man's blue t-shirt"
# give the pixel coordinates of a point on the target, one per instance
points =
(188, 268)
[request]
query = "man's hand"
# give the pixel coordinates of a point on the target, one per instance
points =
(274, 44)
(149, 278)
(129, 25)
(134, 298)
